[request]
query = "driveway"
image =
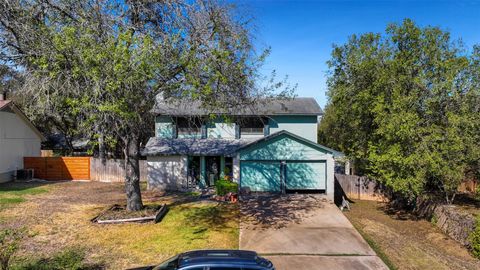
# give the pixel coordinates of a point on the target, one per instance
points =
(303, 232)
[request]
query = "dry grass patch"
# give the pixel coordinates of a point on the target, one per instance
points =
(408, 243)
(60, 220)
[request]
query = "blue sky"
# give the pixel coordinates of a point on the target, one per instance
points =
(301, 33)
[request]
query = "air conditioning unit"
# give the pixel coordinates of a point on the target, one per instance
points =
(25, 174)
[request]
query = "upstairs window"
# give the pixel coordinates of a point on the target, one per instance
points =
(188, 127)
(251, 126)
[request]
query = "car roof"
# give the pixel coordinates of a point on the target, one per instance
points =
(200, 257)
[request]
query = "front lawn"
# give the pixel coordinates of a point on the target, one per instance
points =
(59, 221)
(14, 193)
(405, 242)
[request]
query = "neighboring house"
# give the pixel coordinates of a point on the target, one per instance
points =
(18, 138)
(270, 148)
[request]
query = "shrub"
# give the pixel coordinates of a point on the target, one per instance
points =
(474, 239)
(224, 186)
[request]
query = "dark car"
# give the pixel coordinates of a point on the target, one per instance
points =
(216, 260)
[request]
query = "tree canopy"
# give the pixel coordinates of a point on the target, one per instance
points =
(94, 67)
(405, 106)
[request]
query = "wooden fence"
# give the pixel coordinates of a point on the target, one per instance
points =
(113, 170)
(358, 188)
(59, 168)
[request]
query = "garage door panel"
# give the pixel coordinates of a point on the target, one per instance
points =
(306, 175)
(261, 176)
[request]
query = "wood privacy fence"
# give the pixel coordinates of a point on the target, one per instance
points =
(358, 187)
(59, 168)
(80, 168)
(113, 170)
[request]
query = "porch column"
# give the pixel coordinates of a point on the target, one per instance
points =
(222, 167)
(203, 172)
(236, 169)
(330, 177)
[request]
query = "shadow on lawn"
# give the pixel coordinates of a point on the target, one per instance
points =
(214, 216)
(23, 187)
(277, 211)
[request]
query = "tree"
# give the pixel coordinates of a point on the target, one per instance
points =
(401, 105)
(107, 60)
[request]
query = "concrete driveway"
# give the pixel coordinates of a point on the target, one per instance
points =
(303, 232)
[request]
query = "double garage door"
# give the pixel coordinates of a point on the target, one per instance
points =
(276, 175)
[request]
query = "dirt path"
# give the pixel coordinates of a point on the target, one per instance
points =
(409, 243)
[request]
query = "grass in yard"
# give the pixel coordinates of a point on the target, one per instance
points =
(60, 219)
(72, 259)
(196, 225)
(14, 193)
(376, 248)
(404, 242)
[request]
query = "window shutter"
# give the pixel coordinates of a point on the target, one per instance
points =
(237, 131)
(204, 131)
(174, 131)
(266, 130)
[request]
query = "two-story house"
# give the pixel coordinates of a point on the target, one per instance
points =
(270, 148)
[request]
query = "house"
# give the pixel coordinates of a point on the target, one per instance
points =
(271, 147)
(18, 138)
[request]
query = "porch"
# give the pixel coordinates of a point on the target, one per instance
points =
(204, 171)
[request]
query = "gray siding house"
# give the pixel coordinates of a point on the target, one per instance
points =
(270, 148)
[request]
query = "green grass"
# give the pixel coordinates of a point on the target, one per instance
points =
(14, 193)
(73, 259)
(188, 226)
(376, 248)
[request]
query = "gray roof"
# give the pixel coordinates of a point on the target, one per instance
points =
(216, 147)
(293, 106)
(195, 147)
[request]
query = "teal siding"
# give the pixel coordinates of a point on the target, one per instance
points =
(260, 176)
(283, 148)
(305, 175)
(305, 165)
(302, 125)
(163, 127)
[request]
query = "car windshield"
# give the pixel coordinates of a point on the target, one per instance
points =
(170, 264)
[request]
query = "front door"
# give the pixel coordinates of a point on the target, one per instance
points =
(213, 170)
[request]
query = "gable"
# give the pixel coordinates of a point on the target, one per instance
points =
(14, 124)
(284, 147)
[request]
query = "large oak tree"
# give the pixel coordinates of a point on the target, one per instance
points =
(101, 63)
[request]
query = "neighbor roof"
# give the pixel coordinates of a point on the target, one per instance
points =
(293, 106)
(189, 146)
(4, 103)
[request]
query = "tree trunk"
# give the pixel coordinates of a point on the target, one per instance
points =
(132, 174)
(102, 150)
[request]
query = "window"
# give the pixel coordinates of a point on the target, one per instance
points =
(252, 126)
(187, 127)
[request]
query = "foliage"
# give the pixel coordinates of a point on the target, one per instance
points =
(404, 106)
(474, 239)
(224, 186)
(9, 243)
(95, 68)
